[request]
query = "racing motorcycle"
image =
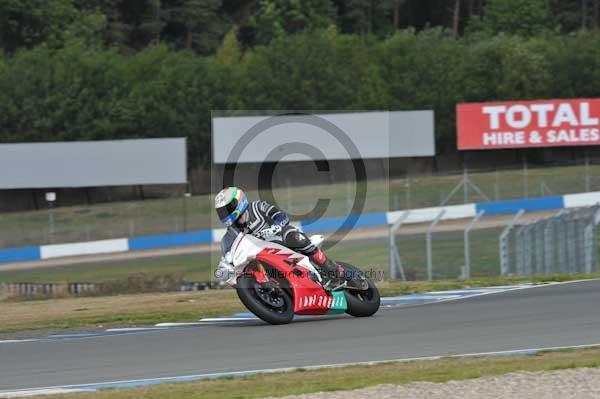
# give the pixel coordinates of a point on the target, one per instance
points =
(276, 283)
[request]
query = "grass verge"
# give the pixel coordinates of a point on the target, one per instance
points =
(37, 317)
(347, 378)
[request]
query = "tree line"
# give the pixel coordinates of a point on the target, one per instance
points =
(201, 25)
(110, 69)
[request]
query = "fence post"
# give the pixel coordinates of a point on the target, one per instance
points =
(429, 233)
(594, 220)
(549, 245)
(465, 185)
(582, 222)
(407, 192)
(560, 242)
(497, 185)
(504, 244)
(587, 171)
(395, 259)
(528, 254)
(187, 195)
(590, 247)
(525, 179)
(539, 247)
(519, 250)
(571, 242)
(467, 243)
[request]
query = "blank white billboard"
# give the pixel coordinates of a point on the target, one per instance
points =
(93, 163)
(285, 138)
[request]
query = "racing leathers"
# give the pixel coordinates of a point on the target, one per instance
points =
(267, 222)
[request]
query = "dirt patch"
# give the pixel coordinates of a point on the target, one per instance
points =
(581, 383)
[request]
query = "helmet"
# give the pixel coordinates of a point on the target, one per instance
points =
(230, 203)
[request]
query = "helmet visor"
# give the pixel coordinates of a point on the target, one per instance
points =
(225, 211)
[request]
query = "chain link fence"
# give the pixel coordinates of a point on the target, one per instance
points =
(446, 257)
(184, 213)
(565, 243)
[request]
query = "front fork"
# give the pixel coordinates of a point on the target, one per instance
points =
(262, 278)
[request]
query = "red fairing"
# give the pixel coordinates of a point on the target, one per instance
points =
(259, 276)
(309, 297)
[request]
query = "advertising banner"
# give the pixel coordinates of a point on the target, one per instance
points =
(264, 138)
(93, 163)
(527, 124)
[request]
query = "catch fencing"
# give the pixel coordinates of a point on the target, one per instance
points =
(183, 213)
(566, 242)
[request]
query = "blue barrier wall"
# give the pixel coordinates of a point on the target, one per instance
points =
(333, 224)
(328, 224)
(170, 240)
(513, 206)
(19, 254)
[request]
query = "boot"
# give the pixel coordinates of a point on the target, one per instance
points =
(330, 271)
(334, 275)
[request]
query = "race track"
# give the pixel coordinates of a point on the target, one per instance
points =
(555, 315)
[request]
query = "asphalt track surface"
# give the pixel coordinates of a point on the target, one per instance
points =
(555, 315)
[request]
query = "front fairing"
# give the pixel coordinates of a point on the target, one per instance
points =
(295, 269)
(247, 248)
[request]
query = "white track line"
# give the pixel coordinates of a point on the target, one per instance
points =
(199, 377)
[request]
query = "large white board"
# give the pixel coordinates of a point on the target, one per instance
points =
(93, 163)
(374, 134)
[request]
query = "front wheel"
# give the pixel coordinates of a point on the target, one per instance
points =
(272, 305)
(361, 303)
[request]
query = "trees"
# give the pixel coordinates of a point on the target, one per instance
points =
(100, 69)
(25, 24)
(276, 18)
(521, 17)
(198, 25)
(230, 53)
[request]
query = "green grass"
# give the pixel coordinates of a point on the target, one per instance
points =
(348, 378)
(192, 268)
(125, 219)
(37, 317)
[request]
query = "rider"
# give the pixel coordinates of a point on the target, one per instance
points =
(266, 221)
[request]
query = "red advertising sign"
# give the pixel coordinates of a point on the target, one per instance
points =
(525, 124)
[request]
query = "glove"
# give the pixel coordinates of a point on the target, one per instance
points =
(225, 272)
(281, 219)
(271, 233)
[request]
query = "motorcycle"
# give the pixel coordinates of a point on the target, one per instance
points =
(275, 283)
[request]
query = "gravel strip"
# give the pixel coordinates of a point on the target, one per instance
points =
(582, 383)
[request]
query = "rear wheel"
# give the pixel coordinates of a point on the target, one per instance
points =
(362, 303)
(267, 301)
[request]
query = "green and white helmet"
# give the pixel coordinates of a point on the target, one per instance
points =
(230, 203)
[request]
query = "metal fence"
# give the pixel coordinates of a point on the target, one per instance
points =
(564, 243)
(61, 290)
(184, 213)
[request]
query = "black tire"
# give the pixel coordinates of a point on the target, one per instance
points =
(361, 303)
(247, 292)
